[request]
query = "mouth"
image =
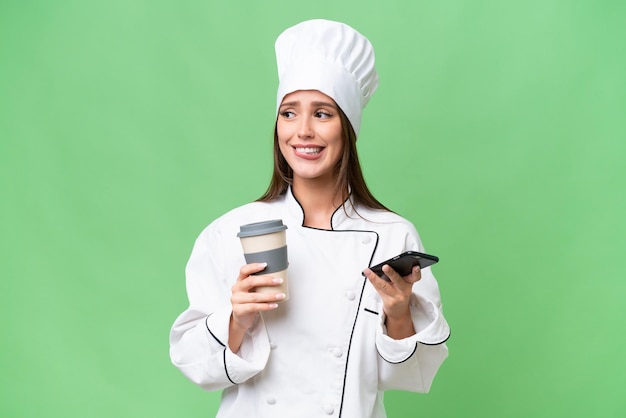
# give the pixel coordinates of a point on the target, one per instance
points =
(308, 150)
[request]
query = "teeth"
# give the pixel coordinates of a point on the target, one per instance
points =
(309, 150)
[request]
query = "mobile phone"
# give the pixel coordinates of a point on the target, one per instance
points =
(404, 262)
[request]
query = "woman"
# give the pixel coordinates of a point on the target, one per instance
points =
(341, 339)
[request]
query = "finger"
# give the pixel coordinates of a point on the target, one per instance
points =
(400, 283)
(248, 269)
(393, 275)
(378, 282)
(416, 275)
(240, 312)
(372, 276)
(248, 283)
(255, 298)
(250, 308)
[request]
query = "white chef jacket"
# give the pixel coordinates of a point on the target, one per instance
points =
(324, 352)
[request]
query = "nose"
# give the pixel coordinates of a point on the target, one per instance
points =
(305, 130)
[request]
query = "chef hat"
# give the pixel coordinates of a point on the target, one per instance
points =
(330, 57)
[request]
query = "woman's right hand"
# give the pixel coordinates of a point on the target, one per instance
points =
(247, 303)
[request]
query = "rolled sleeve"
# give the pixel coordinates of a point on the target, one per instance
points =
(253, 353)
(430, 326)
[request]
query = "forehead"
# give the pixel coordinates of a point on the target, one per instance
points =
(307, 96)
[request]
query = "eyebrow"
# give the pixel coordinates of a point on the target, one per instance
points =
(315, 104)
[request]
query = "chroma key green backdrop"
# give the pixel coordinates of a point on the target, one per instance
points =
(499, 129)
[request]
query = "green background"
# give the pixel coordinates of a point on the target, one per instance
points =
(498, 129)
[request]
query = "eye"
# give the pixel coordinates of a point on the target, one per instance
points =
(322, 114)
(287, 114)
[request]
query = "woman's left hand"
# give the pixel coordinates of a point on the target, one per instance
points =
(396, 296)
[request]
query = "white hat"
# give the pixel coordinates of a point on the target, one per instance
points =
(330, 57)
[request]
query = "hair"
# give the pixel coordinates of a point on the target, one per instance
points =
(350, 180)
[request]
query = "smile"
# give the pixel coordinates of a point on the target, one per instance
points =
(308, 150)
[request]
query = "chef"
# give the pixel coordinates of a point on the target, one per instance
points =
(343, 335)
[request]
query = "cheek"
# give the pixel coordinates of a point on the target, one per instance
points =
(281, 135)
(282, 130)
(282, 146)
(334, 130)
(283, 149)
(335, 133)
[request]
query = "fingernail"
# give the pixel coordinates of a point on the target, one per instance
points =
(273, 305)
(277, 280)
(280, 296)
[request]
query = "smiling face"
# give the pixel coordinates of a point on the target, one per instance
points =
(310, 135)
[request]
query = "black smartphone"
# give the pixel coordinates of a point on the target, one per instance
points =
(404, 262)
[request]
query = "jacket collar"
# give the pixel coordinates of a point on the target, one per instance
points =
(342, 213)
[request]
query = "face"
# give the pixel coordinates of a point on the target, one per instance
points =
(310, 135)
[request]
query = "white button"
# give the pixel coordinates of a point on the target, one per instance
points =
(329, 409)
(270, 400)
(337, 352)
(350, 295)
(366, 240)
(272, 345)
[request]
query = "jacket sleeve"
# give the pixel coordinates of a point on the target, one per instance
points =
(199, 336)
(412, 363)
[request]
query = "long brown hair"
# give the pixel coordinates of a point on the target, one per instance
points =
(349, 173)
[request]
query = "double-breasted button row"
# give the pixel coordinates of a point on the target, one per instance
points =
(328, 409)
(336, 352)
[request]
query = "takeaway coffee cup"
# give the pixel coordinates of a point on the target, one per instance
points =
(266, 242)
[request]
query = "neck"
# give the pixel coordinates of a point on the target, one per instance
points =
(318, 202)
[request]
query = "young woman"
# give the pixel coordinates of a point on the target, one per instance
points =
(341, 339)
